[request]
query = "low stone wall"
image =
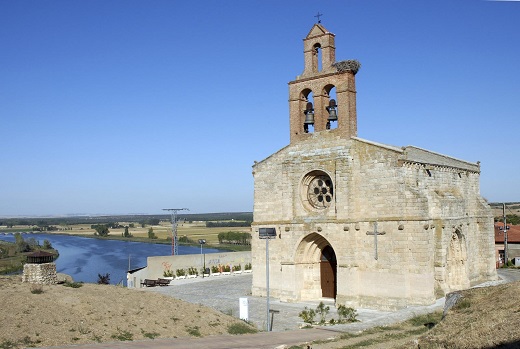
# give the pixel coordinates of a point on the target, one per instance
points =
(157, 265)
(40, 273)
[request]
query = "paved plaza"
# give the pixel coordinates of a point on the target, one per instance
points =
(223, 292)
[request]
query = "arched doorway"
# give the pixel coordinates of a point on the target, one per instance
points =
(315, 268)
(328, 266)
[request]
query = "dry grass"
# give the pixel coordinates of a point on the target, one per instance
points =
(62, 315)
(483, 318)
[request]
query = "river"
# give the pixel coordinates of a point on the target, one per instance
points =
(84, 258)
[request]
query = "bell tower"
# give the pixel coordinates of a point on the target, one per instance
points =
(312, 108)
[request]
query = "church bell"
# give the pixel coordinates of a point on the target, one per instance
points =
(309, 114)
(333, 116)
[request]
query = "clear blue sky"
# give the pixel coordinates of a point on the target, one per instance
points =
(133, 106)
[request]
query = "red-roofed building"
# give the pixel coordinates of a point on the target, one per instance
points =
(513, 242)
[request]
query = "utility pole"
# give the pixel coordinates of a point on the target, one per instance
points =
(173, 211)
(505, 235)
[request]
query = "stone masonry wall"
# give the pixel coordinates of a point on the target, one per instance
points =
(418, 207)
(40, 273)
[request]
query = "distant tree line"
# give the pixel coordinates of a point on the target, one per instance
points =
(512, 219)
(150, 221)
(235, 238)
(228, 224)
(146, 219)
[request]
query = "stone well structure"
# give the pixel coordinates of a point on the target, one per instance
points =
(40, 269)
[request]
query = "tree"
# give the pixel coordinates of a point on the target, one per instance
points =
(151, 234)
(47, 245)
(127, 234)
(101, 230)
(21, 244)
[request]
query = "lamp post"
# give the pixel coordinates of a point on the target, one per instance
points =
(202, 257)
(267, 234)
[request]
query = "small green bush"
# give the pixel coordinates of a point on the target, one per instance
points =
(346, 314)
(194, 331)
(168, 273)
(151, 335)
(123, 335)
(322, 310)
(241, 328)
(72, 284)
(180, 272)
(307, 315)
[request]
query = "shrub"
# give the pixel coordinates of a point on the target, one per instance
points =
(322, 310)
(72, 284)
(123, 335)
(103, 279)
(214, 269)
(346, 314)
(151, 335)
(307, 315)
(248, 266)
(168, 273)
(226, 268)
(194, 331)
(180, 272)
(193, 271)
(241, 328)
(237, 267)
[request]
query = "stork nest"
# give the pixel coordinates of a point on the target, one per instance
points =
(349, 65)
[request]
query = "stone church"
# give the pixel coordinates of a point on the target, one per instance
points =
(366, 224)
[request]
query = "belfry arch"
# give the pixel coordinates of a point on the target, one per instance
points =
(316, 264)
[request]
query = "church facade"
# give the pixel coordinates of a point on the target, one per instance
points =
(366, 224)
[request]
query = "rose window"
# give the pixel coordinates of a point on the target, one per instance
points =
(320, 191)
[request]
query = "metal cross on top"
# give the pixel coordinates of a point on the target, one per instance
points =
(375, 233)
(318, 16)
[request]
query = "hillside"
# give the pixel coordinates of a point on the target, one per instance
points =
(486, 317)
(97, 313)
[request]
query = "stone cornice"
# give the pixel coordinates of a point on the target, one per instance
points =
(430, 166)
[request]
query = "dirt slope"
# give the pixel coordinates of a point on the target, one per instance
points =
(95, 313)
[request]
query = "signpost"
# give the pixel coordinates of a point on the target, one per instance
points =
(267, 234)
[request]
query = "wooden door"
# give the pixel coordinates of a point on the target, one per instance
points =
(328, 273)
